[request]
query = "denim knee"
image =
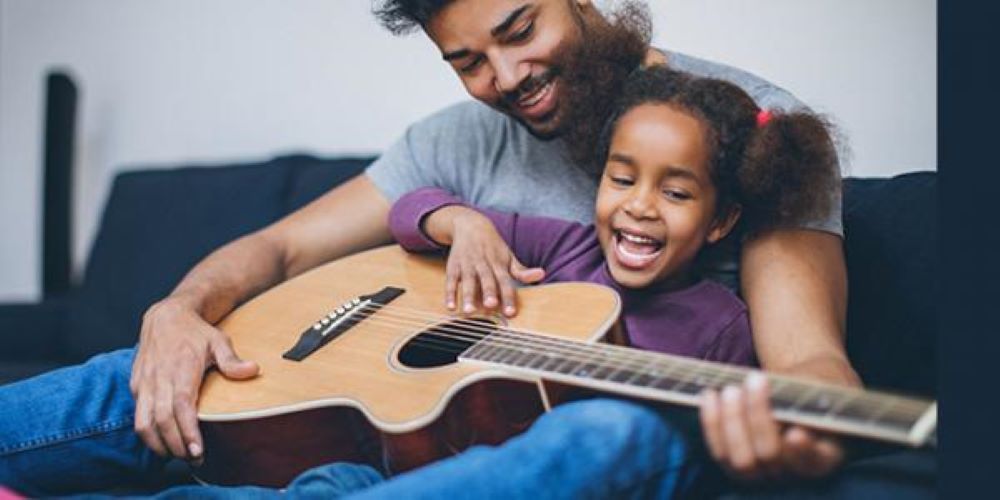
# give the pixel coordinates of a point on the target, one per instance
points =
(618, 423)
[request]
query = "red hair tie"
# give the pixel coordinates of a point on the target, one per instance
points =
(763, 116)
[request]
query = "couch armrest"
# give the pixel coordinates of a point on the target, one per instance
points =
(33, 332)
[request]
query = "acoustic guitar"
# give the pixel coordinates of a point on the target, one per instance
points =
(360, 361)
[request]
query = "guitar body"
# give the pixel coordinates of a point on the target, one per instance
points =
(370, 395)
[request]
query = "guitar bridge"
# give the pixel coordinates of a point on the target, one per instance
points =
(338, 321)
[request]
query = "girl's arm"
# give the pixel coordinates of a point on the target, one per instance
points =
(480, 262)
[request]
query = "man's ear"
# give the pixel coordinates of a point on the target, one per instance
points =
(724, 224)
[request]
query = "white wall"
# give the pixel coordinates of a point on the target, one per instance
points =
(171, 81)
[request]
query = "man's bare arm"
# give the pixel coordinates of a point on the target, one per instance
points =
(795, 284)
(178, 342)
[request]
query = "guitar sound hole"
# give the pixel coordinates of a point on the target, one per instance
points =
(442, 344)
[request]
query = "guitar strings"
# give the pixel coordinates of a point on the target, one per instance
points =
(879, 400)
(870, 399)
(600, 355)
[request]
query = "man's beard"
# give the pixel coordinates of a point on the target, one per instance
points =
(591, 73)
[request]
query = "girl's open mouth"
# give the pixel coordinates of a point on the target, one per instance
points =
(636, 251)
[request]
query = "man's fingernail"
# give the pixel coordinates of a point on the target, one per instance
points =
(194, 449)
(755, 380)
(730, 393)
(509, 310)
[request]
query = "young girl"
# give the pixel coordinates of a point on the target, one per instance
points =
(686, 158)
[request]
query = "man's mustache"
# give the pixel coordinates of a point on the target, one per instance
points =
(528, 86)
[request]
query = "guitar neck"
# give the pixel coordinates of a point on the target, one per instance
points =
(680, 380)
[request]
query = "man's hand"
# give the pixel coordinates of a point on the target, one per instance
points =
(480, 264)
(176, 346)
(746, 441)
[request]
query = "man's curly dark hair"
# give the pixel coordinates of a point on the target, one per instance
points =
(406, 16)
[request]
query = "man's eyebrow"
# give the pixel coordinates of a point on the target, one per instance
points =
(496, 30)
(509, 21)
(455, 54)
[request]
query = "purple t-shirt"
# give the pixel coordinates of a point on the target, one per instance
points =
(704, 320)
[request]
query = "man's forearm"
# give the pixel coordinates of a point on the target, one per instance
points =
(230, 275)
(795, 284)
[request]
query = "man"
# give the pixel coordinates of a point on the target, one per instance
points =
(509, 55)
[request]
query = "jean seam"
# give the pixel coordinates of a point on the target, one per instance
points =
(72, 435)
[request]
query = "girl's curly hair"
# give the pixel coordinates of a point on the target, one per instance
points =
(781, 172)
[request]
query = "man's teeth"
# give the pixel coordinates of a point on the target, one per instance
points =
(535, 96)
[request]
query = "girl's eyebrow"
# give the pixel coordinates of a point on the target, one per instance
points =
(621, 158)
(680, 171)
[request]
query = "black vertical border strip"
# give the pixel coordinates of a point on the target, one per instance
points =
(969, 328)
(57, 216)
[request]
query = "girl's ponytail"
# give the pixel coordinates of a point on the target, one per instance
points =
(789, 171)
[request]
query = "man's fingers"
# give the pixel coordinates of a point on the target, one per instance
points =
(764, 430)
(185, 412)
(742, 459)
(809, 455)
(166, 424)
(145, 426)
(229, 364)
(711, 424)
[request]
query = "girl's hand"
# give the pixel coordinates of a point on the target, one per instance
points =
(480, 264)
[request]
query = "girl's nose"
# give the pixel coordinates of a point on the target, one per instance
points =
(641, 204)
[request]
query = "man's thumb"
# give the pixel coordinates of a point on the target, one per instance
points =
(230, 364)
(524, 274)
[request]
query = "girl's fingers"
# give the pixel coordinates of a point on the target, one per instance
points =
(487, 285)
(508, 294)
(450, 286)
(468, 284)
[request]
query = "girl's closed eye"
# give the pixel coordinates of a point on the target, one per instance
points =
(677, 194)
(621, 180)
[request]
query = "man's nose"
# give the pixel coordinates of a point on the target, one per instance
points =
(507, 75)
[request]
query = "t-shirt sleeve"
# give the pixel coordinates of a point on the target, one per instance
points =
(734, 344)
(408, 212)
(446, 150)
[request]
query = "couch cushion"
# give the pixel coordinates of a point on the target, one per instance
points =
(158, 224)
(891, 243)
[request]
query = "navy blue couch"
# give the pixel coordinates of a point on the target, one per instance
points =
(158, 223)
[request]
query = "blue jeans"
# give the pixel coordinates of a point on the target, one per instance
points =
(71, 431)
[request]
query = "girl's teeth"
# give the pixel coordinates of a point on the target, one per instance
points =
(638, 239)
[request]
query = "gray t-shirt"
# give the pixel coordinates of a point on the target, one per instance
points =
(490, 160)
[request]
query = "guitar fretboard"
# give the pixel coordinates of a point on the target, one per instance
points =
(681, 380)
